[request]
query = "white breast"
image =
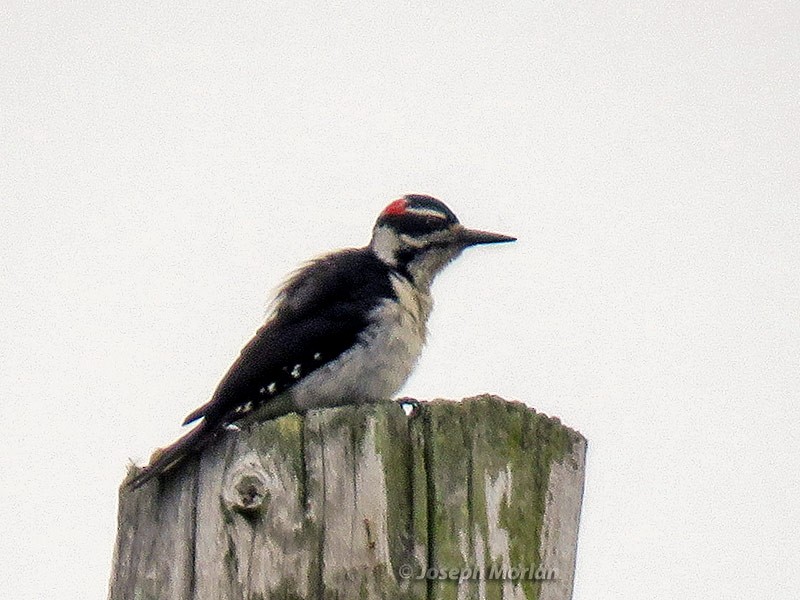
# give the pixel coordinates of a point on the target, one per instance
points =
(378, 366)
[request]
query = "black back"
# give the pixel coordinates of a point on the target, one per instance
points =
(319, 314)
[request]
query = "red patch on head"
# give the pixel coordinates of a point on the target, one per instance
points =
(398, 207)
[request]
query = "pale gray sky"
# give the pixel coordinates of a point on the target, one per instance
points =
(165, 165)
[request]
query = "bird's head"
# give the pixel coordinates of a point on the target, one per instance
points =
(418, 235)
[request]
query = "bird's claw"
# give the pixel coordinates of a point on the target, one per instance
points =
(410, 406)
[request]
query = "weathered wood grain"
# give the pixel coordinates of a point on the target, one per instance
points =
(357, 502)
(154, 556)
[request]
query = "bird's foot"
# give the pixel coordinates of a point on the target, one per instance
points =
(410, 406)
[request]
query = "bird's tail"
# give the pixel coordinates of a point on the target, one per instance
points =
(168, 458)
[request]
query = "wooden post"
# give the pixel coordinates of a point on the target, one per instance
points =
(473, 499)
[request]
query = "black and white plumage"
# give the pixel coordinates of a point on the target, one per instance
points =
(346, 328)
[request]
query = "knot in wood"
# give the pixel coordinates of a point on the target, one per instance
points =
(247, 492)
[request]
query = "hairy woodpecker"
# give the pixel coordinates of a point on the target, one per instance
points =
(348, 327)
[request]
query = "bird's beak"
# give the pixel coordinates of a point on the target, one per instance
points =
(473, 237)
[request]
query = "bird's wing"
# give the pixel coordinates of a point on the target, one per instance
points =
(320, 313)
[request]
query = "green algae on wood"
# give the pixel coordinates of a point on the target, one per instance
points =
(349, 502)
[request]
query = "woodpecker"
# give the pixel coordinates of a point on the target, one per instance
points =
(348, 327)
